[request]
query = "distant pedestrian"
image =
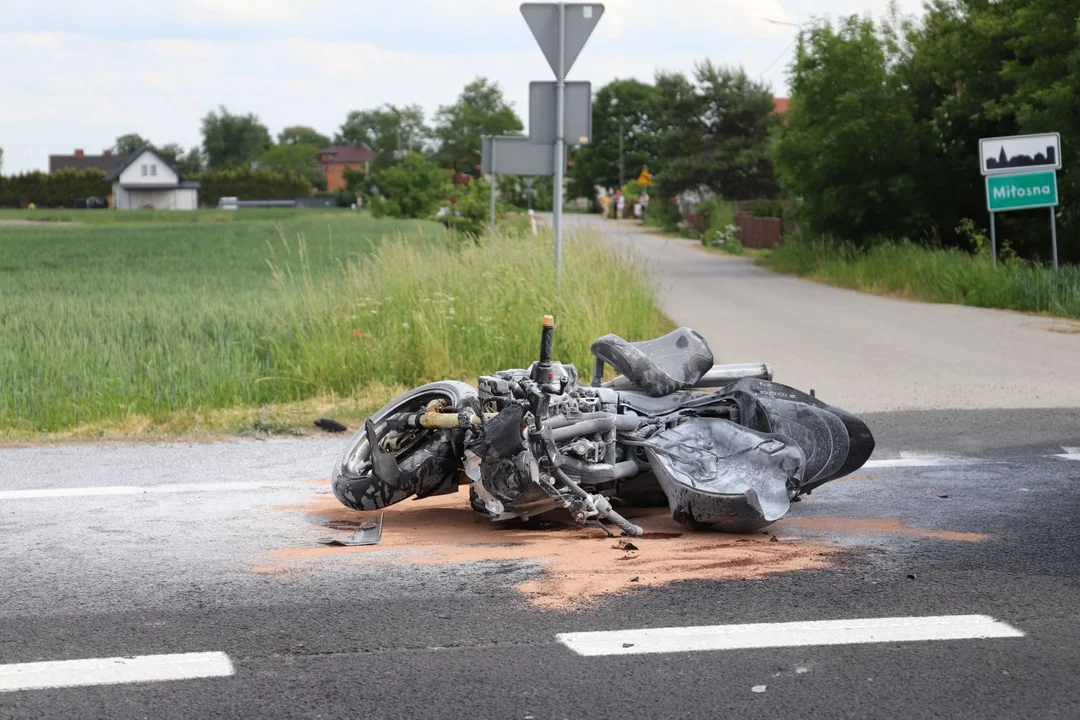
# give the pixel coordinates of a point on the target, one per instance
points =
(605, 206)
(620, 204)
(644, 202)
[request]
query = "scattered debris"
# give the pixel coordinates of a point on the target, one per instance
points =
(801, 670)
(758, 688)
(369, 533)
(626, 645)
(773, 538)
(626, 545)
(635, 579)
(943, 497)
(912, 576)
(332, 426)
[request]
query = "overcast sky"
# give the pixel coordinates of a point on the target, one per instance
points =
(76, 74)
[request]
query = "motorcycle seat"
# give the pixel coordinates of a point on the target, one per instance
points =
(659, 367)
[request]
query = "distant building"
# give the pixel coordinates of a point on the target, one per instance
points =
(106, 162)
(336, 158)
(145, 180)
(780, 105)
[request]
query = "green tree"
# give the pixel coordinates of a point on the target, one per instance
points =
(390, 131)
(624, 138)
(294, 160)
(231, 141)
(129, 143)
(714, 133)
(413, 188)
(851, 145)
(480, 110)
(170, 153)
(1, 159)
(190, 163)
(303, 135)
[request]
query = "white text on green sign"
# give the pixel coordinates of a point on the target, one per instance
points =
(1022, 191)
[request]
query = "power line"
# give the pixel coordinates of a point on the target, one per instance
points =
(782, 54)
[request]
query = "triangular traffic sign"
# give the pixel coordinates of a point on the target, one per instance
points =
(543, 20)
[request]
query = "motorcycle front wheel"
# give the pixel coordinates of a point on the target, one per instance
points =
(428, 458)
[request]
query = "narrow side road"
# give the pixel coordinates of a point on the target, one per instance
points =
(862, 352)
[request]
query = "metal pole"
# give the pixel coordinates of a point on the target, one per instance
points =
(993, 239)
(560, 144)
(1053, 236)
(622, 164)
(494, 180)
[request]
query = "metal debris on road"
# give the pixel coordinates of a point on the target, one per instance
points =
(369, 533)
(626, 545)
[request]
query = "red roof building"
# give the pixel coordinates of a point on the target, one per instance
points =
(336, 158)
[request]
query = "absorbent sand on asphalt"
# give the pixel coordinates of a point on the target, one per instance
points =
(862, 352)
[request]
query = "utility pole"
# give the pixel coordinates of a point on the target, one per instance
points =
(622, 163)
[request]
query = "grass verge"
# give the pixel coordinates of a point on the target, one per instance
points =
(936, 275)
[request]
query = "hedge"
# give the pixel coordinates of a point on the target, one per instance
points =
(58, 189)
(61, 188)
(246, 184)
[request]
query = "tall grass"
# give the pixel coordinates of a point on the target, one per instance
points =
(408, 315)
(937, 275)
(103, 322)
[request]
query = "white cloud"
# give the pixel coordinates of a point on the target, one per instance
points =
(296, 62)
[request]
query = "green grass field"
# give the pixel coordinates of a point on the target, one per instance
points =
(136, 323)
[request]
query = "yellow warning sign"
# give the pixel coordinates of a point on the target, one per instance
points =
(644, 178)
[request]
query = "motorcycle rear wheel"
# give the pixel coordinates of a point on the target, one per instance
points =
(353, 480)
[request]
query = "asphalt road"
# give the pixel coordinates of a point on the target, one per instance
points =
(115, 550)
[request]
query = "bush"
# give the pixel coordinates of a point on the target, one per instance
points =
(727, 239)
(469, 212)
(663, 215)
(414, 188)
(248, 184)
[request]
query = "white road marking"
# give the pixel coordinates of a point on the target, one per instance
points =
(114, 671)
(1071, 453)
(794, 634)
(914, 460)
(42, 493)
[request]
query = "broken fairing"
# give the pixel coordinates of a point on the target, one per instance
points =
(719, 475)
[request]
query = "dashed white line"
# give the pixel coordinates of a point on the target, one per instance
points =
(42, 493)
(793, 634)
(114, 671)
(914, 460)
(1071, 453)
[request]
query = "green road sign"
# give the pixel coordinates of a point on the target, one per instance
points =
(1022, 191)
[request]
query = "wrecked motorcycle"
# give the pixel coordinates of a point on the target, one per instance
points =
(722, 445)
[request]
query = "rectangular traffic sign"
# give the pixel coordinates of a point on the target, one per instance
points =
(1020, 153)
(516, 156)
(577, 113)
(543, 20)
(1022, 191)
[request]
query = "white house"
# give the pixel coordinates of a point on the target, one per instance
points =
(144, 180)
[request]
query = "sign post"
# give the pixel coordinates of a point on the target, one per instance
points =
(561, 29)
(1021, 174)
(494, 181)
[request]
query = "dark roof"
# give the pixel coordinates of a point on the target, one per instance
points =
(119, 170)
(85, 162)
(347, 154)
(184, 185)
